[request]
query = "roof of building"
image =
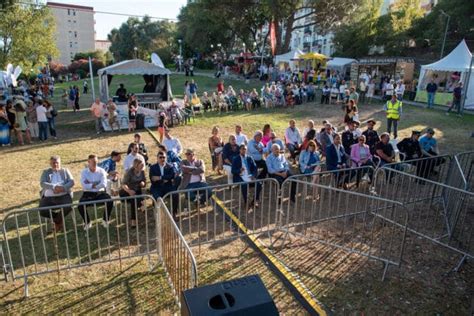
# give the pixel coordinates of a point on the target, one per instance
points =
(69, 6)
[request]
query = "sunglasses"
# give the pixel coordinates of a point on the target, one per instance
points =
(161, 157)
(189, 154)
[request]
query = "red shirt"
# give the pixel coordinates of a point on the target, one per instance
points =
(220, 87)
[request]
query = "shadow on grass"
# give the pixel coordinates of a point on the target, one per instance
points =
(130, 291)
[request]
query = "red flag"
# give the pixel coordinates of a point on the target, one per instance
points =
(272, 37)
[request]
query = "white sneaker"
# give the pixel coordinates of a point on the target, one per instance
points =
(87, 226)
(105, 224)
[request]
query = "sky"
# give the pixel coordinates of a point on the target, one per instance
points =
(105, 22)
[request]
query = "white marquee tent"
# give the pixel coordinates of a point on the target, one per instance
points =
(288, 58)
(158, 76)
(339, 63)
(459, 60)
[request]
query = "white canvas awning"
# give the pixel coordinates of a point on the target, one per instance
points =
(459, 60)
(134, 67)
(338, 63)
(158, 76)
(288, 58)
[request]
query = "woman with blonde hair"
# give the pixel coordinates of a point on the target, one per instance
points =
(134, 181)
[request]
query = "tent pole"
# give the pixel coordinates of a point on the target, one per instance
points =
(92, 79)
(466, 85)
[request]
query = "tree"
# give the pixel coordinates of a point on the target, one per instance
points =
(147, 36)
(57, 69)
(97, 54)
(27, 36)
(225, 21)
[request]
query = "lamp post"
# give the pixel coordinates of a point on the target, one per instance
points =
(445, 31)
(136, 52)
(180, 59)
(244, 47)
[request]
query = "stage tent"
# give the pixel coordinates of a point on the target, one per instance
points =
(459, 60)
(158, 76)
(288, 58)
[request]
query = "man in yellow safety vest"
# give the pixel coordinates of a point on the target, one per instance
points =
(393, 109)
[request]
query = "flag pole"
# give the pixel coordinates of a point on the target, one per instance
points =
(92, 79)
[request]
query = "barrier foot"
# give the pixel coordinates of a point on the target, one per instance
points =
(26, 291)
(460, 263)
(385, 269)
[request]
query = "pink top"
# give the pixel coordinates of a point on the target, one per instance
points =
(265, 139)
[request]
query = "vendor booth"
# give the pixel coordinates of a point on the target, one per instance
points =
(152, 74)
(157, 94)
(379, 68)
(446, 73)
(312, 60)
(341, 65)
(287, 60)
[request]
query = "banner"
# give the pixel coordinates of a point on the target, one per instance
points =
(272, 37)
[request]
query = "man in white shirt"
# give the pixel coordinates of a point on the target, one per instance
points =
(128, 162)
(342, 90)
(56, 184)
(240, 138)
(172, 144)
(42, 121)
(94, 183)
(293, 139)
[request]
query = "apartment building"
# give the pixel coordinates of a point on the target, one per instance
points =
(102, 45)
(75, 30)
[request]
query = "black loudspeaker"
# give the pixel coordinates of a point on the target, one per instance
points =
(140, 121)
(244, 296)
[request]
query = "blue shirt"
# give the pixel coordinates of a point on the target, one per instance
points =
(253, 151)
(276, 141)
(108, 165)
(426, 143)
(277, 163)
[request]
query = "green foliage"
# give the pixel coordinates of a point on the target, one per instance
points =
(146, 35)
(205, 64)
(404, 31)
(429, 31)
(97, 54)
(27, 36)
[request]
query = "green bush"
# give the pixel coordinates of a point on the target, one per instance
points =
(205, 64)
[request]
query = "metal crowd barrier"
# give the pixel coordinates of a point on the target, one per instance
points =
(440, 213)
(355, 222)
(201, 219)
(32, 247)
(176, 256)
(466, 164)
(357, 179)
(434, 168)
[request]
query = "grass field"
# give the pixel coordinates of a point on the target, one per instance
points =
(22, 167)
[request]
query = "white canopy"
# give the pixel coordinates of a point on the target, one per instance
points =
(288, 58)
(134, 67)
(339, 63)
(459, 60)
(158, 76)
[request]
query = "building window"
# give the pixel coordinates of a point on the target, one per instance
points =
(75, 34)
(68, 11)
(70, 44)
(324, 42)
(74, 12)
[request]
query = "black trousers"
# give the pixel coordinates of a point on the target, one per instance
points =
(261, 165)
(134, 203)
(425, 167)
(55, 214)
(95, 196)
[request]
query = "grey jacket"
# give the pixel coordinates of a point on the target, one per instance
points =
(66, 176)
(187, 173)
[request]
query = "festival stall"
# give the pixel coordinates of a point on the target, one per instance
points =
(284, 61)
(383, 68)
(312, 60)
(149, 104)
(446, 73)
(341, 65)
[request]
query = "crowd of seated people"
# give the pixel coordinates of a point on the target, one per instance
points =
(243, 159)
